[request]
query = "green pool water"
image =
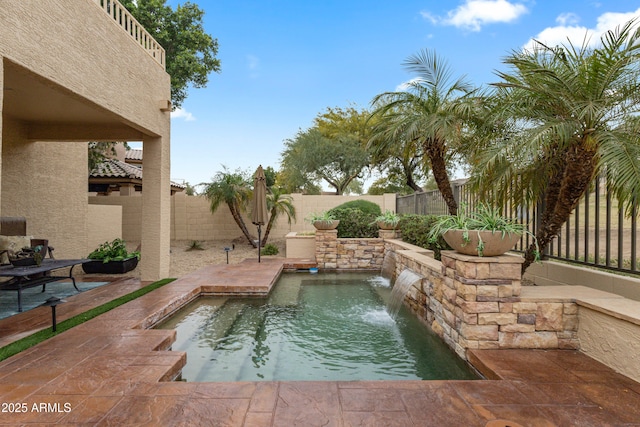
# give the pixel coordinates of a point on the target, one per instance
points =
(327, 326)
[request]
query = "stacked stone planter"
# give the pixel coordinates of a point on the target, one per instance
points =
(474, 303)
(346, 253)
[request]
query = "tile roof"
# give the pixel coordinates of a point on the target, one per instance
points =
(133, 154)
(113, 168)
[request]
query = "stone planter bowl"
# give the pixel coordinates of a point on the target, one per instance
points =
(494, 242)
(326, 225)
(386, 226)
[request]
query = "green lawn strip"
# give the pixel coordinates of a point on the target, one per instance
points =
(33, 339)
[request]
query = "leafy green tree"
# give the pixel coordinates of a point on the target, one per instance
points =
(572, 113)
(190, 51)
(427, 114)
(331, 151)
(392, 153)
(393, 181)
(99, 152)
(190, 190)
(270, 174)
(292, 180)
(234, 190)
(278, 204)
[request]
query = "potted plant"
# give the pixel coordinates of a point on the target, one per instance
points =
(111, 258)
(323, 221)
(27, 256)
(483, 232)
(387, 221)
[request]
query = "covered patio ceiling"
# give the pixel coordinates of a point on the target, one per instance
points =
(52, 113)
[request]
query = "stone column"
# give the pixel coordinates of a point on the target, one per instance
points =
(327, 249)
(477, 298)
(388, 234)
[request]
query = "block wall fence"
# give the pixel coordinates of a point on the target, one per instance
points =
(191, 218)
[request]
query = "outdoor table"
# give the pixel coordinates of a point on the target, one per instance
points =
(36, 275)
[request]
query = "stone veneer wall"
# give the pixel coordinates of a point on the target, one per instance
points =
(346, 253)
(474, 303)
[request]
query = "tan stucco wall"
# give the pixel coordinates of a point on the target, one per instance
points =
(550, 273)
(610, 340)
(300, 246)
(104, 225)
(74, 49)
(192, 219)
(38, 182)
(76, 45)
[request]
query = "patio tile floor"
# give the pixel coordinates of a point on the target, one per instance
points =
(112, 371)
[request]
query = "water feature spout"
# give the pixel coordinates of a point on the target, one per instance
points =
(388, 270)
(402, 285)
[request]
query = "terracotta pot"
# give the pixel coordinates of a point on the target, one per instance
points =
(326, 225)
(494, 242)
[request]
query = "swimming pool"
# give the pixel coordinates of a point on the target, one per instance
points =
(327, 326)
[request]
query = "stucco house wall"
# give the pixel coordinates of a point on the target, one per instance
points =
(70, 74)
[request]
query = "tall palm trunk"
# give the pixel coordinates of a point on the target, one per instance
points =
(436, 151)
(235, 213)
(562, 197)
(272, 218)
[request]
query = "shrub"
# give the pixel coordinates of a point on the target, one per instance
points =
(355, 223)
(362, 205)
(195, 246)
(269, 249)
(113, 251)
(415, 229)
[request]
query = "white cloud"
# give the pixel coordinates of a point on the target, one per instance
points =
(568, 19)
(406, 85)
(180, 113)
(569, 30)
(474, 14)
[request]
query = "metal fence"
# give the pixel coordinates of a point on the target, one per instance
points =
(597, 234)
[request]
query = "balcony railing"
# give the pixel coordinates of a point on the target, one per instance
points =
(122, 17)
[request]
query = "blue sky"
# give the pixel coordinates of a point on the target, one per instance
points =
(285, 61)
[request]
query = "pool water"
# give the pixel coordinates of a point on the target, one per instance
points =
(327, 326)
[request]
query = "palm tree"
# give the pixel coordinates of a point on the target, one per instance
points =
(573, 114)
(278, 203)
(425, 114)
(390, 151)
(233, 189)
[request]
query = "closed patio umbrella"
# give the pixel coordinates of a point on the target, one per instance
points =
(259, 204)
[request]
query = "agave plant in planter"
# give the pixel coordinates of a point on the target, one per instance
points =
(483, 232)
(323, 221)
(111, 258)
(387, 221)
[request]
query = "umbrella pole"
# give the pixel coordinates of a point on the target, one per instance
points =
(259, 241)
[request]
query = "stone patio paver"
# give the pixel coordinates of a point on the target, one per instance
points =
(111, 371)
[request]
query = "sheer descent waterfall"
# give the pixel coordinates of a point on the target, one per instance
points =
(389, 265)
(403, 283)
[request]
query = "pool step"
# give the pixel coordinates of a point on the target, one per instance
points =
(218, 327)
(235, 348)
